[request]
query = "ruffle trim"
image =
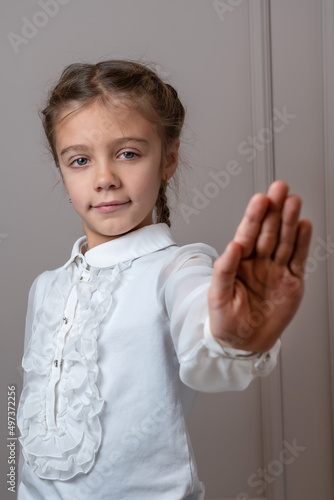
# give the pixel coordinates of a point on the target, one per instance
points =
(67, 448)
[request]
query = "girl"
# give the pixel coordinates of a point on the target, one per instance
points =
(120, 338)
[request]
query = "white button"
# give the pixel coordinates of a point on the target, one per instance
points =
(85, 275)
(262, 361)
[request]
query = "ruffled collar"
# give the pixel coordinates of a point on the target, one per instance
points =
(130, 246)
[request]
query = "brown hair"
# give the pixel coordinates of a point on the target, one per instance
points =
(135, 85)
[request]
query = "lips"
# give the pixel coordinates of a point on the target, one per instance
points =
(110, 203)
(110, 206)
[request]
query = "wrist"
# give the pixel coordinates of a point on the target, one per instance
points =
(231, 349)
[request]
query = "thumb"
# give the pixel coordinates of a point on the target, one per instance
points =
(224, 273)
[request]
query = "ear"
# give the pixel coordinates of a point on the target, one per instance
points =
(171, 161)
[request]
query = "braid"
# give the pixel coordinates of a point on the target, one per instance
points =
(162, 204)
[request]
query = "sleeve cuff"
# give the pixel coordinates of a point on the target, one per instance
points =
(262, 360)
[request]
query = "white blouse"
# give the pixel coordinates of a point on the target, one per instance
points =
(117, 346)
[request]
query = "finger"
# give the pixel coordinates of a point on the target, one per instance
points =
(278, 189)
(289, 228)
(269, 234)
(303, 239)
(224, 274)
(250, 226)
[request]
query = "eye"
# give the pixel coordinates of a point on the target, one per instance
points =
(81, 162)
(129, 155)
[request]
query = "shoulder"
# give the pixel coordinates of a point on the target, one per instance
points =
(186, 260)
(200, 252)
(43, 282)
(46, 277)
(193, 254)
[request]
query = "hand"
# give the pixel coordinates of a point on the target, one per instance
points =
(258, 283)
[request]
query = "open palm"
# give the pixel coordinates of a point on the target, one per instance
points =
(257, 283)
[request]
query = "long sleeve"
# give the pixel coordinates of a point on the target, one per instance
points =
(31, 306)
(30, 313)
(183, 288)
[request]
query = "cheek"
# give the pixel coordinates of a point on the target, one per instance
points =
(77, 191)
(148, 183)
(147, 189)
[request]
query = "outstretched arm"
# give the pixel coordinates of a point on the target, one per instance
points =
(258, 283)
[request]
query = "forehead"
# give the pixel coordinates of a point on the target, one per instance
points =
(98, 121)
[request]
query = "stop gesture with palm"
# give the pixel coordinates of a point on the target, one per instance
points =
(258, 283)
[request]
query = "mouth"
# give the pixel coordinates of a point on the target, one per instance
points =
(110, 206)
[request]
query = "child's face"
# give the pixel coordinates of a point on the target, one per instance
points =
(110, 164)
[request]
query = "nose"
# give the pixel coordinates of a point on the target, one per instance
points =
(106, 176)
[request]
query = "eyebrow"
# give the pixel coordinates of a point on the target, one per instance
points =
(85, 148)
